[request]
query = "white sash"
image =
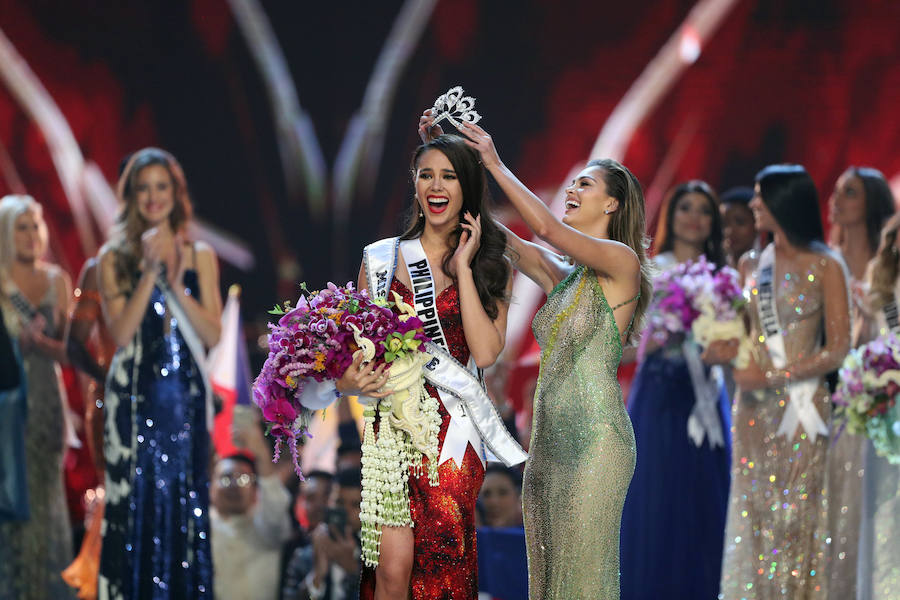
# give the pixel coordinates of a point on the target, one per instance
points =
(473, 418)
(800, 409)
(194, 344)
(423, 289)
(891, 316)
(704, 419)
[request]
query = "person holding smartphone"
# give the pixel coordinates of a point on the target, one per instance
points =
(249, 516)
(328, 569)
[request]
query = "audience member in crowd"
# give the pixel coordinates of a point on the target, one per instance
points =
(501, 496)
(249, 519)
(329, 567)
(35, 298)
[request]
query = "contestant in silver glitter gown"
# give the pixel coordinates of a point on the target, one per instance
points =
(878, 566)
(776, 541)
(859, 206)
(582, 444)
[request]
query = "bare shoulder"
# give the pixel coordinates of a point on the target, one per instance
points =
(204, 250)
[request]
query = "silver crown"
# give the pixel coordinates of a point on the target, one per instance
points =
(455, 107)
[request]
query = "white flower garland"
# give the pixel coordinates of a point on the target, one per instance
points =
(388, 460)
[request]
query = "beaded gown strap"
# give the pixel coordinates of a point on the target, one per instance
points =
(621, 304)
(626, 333)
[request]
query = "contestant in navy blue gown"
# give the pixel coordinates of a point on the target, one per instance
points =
(156, 525)
(673, 522)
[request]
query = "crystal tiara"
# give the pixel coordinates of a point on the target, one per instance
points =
(455, 107)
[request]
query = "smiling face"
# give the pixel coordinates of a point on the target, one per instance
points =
(29, 236)
(761, 214)
(847, 205)
(438, 191)
(692, 219)
(154, 192)
(587, 201)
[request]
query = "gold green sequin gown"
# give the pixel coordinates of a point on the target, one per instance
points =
(582, 451)
(776, 541)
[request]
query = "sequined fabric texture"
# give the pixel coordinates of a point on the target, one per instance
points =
(582, 447)
(33, 553)
(445, 563)
(879, 549)
(156, 525)
(775, 539)
(844, 482)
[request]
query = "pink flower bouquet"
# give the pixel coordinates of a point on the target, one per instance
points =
(696, 300)
(867, 391)
(316, 340)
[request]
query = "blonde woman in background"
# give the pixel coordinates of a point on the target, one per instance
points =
(35, 296)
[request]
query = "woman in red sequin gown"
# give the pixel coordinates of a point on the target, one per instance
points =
(437, 557)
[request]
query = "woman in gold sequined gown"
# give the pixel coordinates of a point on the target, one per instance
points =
(582, 445)
(776, 536)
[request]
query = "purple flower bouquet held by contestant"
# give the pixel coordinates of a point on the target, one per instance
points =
(316, 340)
(867, 392)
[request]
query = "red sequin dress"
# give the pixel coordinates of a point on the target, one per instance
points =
(445, 563)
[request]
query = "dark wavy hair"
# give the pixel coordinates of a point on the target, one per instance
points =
(490, 268)
(879, 202)
(712, 247)
(790, 195)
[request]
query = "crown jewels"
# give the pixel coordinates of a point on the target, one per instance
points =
(455, 107)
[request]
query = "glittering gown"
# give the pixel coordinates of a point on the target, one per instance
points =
(775, 538)
(582, 447)
(445, 563)
(156, 524)
(844, 482)
(33, 553)
(878, 566)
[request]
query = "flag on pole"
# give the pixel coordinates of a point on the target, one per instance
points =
(229, 372)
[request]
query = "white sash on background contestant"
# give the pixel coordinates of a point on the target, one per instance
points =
(473, 419)
(800, 408)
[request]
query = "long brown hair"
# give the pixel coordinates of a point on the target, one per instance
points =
(490, 269)
(627, 225)
(884, 268)
(125, 238)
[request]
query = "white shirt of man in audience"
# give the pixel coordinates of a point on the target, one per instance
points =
(249, 522)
